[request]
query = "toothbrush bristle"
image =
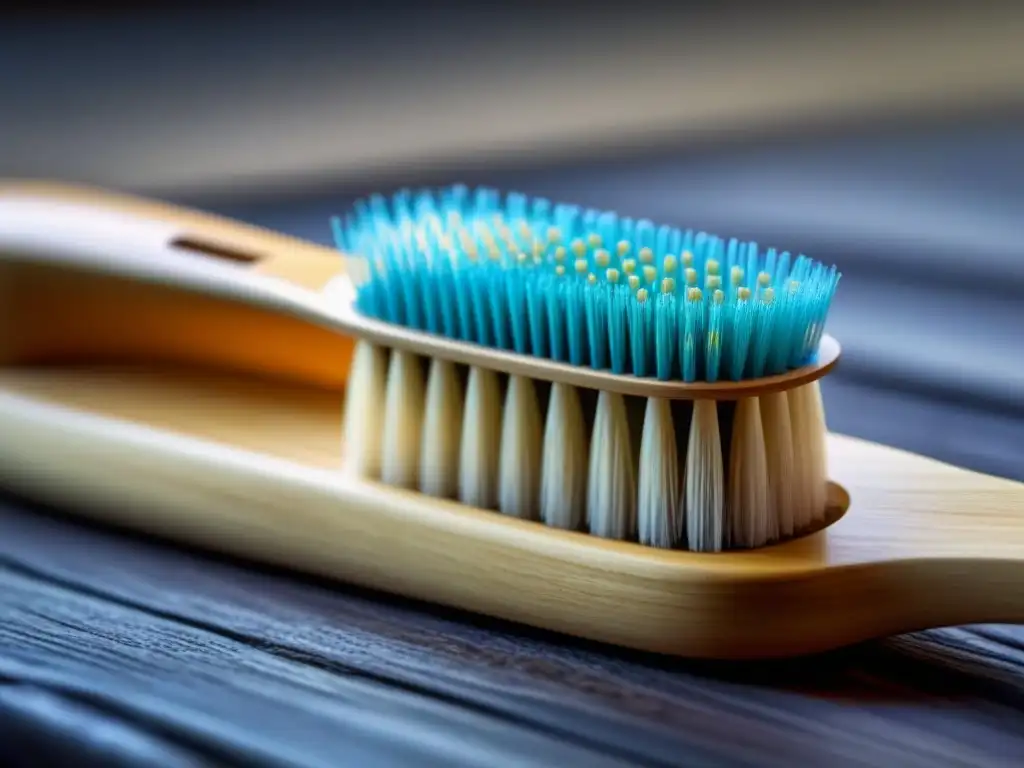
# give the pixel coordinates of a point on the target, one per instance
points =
(588, 288)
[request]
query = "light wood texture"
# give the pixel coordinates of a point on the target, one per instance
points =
(169, 227)
(248, 467)
(236, 451)
(103, 233)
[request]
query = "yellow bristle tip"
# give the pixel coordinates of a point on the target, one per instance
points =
(634, 282)
(641, 295)
(694, 294)
(559, 270)
(668, 285)
(602, 258)
(580, 266)
(669, 264)
(691, 276)
(650, 274)
(713, 282)
(768, 296)
(612, 275)
(622, 248)
(687, 259)
(560, 253)
(629, 266)
(736, 275)
(743, 294)
(719, 296)
(594, 241)
(712, 267)
(646, 255)
(554, 235)
(578, 247)
(764, 279)
(591, 279)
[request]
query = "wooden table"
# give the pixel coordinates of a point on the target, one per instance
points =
(132, 652)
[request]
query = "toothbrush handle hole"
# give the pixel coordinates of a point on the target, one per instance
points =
(215, 251)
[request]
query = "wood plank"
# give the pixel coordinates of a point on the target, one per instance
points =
(47, 727)
(239, 661)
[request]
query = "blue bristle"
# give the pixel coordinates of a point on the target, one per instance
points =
(762, 339)
(645, 234)
(558, 281)
(731, 255)
(481, 316)
(555, 301)
(740, 342)
(519, 315)
(675, 242)
(662, 238)
(713, 343)
(575, 320)
(639, 343)
(498, 302)
(537, 311)
(692, 340)
(597, 323)
(618, 297)
(665, 331)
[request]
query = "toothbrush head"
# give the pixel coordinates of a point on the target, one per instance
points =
(584, 287)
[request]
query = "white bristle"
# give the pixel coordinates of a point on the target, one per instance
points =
(481, 440)
(808, 454)
(611, 484)
(521, 437)
(747, 499)
(778, 443)
(704, 497)
(442, 427)
(658, 519)
(403, 421)
(819, 451)
(364, 410)
(563, 485)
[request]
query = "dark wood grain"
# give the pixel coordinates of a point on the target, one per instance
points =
(197, 659)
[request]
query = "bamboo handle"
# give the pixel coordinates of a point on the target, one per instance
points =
(82, 224)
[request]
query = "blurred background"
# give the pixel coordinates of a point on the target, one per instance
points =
(887, 138)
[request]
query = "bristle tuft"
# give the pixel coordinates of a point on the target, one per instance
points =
(539, 279)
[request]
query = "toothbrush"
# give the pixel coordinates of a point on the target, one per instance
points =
(652, 377)
(187, 381)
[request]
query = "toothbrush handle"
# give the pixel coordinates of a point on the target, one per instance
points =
(80, 223)
(151, 281)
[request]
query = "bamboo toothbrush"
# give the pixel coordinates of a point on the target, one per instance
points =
(183, 375)
(686, 409)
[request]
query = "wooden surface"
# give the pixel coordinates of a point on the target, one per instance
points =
(251, 468)
(130, 652)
